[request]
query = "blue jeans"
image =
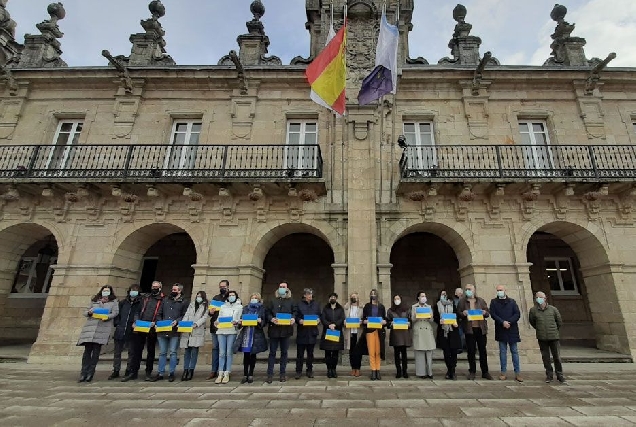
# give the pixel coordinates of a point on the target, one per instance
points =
(503, 356)
(215, 353)
(226, 342)
(190, 357)
(165, 344)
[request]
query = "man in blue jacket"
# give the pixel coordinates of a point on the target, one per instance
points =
(505, 312)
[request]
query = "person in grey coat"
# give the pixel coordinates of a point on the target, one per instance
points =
(197, 312)
(96, 332)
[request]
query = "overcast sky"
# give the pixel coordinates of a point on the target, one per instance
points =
(200, 32)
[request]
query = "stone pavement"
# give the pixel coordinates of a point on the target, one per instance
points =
(597, 394)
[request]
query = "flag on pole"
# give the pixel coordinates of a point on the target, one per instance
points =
(327, 73)
(383, 78)
(313, 95)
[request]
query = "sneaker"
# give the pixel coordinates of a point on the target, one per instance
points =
(250, 380)
(486, 376)
(270, 378)
(310, 374)
(226, 378)
(548, 379)
(471, 376)
(502, 377)
(561, 379)
(298, 375)
(283, 378)
(219, 378)
(518, 378)
(148, 376)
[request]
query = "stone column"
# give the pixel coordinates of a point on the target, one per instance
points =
(340, 282)
(384, 282)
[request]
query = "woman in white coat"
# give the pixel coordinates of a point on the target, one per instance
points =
(198, 313)
(423, 339)
(226, 336)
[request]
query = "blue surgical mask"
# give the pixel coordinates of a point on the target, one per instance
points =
(282, 291)
(253, 301)
(443, 298)
(133, 294)
(231, 298)
(540, 300)
(469, 293)
(501, 294)
(199, 300)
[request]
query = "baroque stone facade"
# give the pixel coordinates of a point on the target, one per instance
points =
(520, 176)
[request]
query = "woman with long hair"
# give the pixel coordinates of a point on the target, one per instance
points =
(251, 340)
(448, 338)
(374, 337)
(197, 313)
(400, 339)
(227, 335)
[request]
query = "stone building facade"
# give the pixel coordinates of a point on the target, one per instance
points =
(143, 170)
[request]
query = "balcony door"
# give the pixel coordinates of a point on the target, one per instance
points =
(536, 151)
(60, 155)
(421, 142)
(301, 152)
(181, 154)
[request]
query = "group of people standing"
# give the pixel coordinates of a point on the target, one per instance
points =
(407, 325)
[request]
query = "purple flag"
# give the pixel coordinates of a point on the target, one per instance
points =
(375, 85)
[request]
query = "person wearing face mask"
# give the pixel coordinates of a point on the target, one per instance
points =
(150, 305)
(226, 336)
(399, 339)
(475, 331)
(129, 307)
(173, 308)
(197, 313)
(448, 338)
(251, 339)
(372, 341)
(423, 338)
(546, 320)
(224, 287)
(353, 309)
(279, 335)
(506, 314)
(332, 318)
(96, 332)
(306, 336)
(459, 293)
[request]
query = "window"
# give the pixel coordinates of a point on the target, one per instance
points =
(301, 152)
(421, 141)
(182, 151)
(34, 275)
(561, 276)
(61, 152)
(535, 141)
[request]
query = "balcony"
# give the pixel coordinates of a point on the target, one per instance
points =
(518, 163)
(160, 163)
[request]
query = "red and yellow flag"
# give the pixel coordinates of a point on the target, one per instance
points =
(327, 73)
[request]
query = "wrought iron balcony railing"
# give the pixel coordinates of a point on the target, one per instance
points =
(517, 162)
(159, 162)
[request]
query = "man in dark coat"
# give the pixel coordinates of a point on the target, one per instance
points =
(279, 335)
(224, 287)
(505, 312)
(333, 318)
(306, 336)
(547, 321)
(475, 331)
(129, 308)
(150, 305)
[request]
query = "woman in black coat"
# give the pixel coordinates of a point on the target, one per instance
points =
(373, 341)
(129, 309)
(448, 338)
(251, 339)
(332, 318)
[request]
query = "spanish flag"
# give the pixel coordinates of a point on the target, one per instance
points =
(327, 73)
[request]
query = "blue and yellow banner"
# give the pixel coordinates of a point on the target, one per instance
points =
(423, 313)
(142, 326)
(400, 323)
(374, 322)
(185, 326)
(101, 313)
(284, 319)
(475, 315)
(225, 322)
(332, 335)
(449, 318)
(310, 320)
(215, 305)
(163, 326)
(353, 322)
(250, 319)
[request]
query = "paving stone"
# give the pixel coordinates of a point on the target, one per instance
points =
(598, 421)
(245, 412)
(332, 403)
(401, 403)
(491, 412)
(534, 421)
(296, 422)
(604, 410)
(548, 411)
(389, 413)
(218, 422)
(476, 421)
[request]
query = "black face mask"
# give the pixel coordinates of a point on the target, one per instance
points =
(223, 291)
(374, 297)
(155, 291)
(353, 300)
(174, 294)
(332, 301)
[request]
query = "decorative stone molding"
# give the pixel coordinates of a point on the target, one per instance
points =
(495, 200)
(44, 50)
(561, 201)
(307, 195)
(243, 111)
(464, 199)
(476, 108)
(11, 107)
(529, 201)
(226, 202)
(625, 203)
(592, 201)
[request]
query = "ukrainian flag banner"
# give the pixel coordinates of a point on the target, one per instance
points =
(332, 335)
(163, 326)
(400, 323)
(185, 326)
(423, 313)
(310, 320)
(250, 319)
(449, 318)
(142, 326)
(353, 322)
(475, 315)
(374, 322)
(284, 319)
(100, 313)
(215, 305)
(225, 322)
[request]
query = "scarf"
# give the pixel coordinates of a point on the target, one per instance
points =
(445, 308)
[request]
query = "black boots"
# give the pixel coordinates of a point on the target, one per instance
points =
(375, 375)
(113, 375)
(129, 376)
(184, 377)
(331, 373)
(399, 372)
(82, 378)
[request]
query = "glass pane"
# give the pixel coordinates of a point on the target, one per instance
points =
(66, 127)
(178, 138)
(523, 127)
(75, 138)
(310, 138)
(427, 139)
(79, 127)
(410, 138)
(425, 128)
(194, 139)
(553, 277)
(566, 276)
(409, 127)
(537, 127)
(196, 127)
(181, 127)
(294, 138)
(62, 139)
(294, 127)
(540, 139)
(310, 127)
(525, 138)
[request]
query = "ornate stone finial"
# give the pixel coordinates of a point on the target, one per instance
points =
(566, 50)
(44, 50)
(6, 23)
(258, 9)
(463, 46)
(157, 9)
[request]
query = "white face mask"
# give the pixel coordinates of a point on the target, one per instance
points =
(422, 300)
(199, 300)
(397, 301)
(105, 293)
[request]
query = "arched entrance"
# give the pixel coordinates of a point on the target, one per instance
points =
(161, 252)
(571, 266)
(423, 261)
(303, 260)
(27, 252)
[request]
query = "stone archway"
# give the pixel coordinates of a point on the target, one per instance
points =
(27, 252)
(595, 291)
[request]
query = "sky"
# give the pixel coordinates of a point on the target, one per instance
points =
(200, 32)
